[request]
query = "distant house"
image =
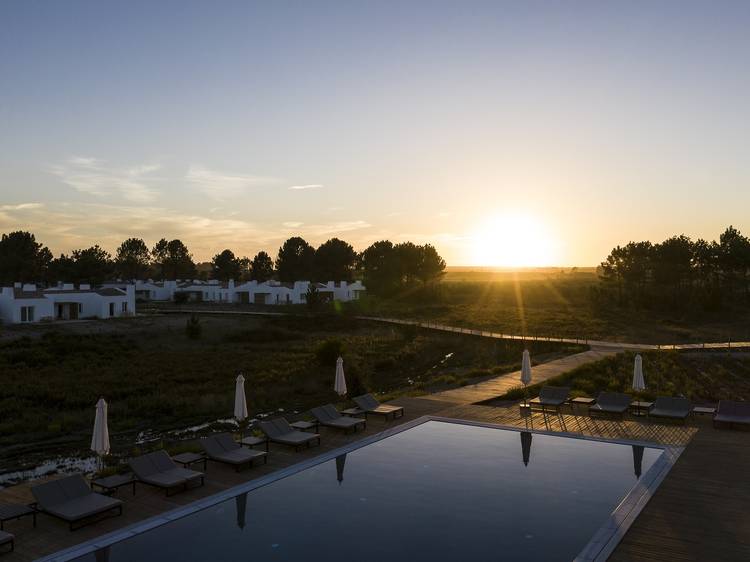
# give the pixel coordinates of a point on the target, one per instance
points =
(269, 292)
(148, 290)
(26, 303)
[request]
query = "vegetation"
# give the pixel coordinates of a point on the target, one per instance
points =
(155, 377)
(552, 303)
(700, 376)
(679, 273)
(386, 267)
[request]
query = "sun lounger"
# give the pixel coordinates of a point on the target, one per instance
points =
(611, 403)
(222, 448)
(671, 408)
(279, 431)
(7, 539)
(329, 416)
(552, 397)
(369, 405)
(157, 469)
(72, 500)
(732, 411)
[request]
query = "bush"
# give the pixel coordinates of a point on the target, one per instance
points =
(181, 298)
(193, 328)
(329, 351)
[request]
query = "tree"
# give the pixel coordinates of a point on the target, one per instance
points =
(261, 268)
(672, 263)
(734, 258)
(431, 266)
(133, 259)
(334, 261)
(225, 266)
(22, 258)
(380, 267)
(409, 256)
(245, 265)
(296, 260)
(172, 259)
(92, 265)
(61, 269)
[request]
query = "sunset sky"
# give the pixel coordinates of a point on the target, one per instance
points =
(505, 133)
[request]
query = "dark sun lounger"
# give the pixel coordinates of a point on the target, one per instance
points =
(329, 416)
(552, 397)
(72, 500)
(159, 470)
(668, 407)
(279, 431)
(222, 448)
(369, 405)
(610, 403)
(732, 411)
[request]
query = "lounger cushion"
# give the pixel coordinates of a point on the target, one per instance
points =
(611, 402)
(82, 507)
(671, 407)
(343, 422)
(49, 494)
(295, 437)
(553, 395)
(733, 411)
(239, 456)
(6, 537)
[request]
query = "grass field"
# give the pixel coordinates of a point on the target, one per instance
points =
(554, 303)
(700, 376)
(154, 376)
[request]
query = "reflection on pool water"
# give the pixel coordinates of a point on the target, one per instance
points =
(437, 491)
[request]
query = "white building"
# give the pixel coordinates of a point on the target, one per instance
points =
(26, 303)
(251, 292)
(148, 290)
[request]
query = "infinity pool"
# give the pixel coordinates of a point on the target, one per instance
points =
(436, 491)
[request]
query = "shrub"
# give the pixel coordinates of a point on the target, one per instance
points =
(181, 298)
(329, 351)
(193, 328)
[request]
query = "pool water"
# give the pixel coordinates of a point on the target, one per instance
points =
(436, 491)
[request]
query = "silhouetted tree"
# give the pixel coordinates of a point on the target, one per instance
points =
(22, 258)
(380, 267)
(132, 259)
(335, 261)
(91, 265)
(225, 266)
(261, 268)
(296, 260)
(430, 266)
(172, 259)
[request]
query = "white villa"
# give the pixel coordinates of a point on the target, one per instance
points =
(24, 303)
(269, 292)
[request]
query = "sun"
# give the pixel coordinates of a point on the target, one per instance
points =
(515, 240)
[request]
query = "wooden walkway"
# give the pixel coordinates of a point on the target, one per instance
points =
(492, 388)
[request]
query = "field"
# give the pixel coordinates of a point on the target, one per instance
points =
(703, 377)
(156, 377)
(554, 303)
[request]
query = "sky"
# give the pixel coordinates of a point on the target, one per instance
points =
(504, 133)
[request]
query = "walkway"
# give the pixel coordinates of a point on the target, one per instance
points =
(492, 388)
(618, 346)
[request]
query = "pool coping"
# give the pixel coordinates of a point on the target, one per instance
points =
(597, 549)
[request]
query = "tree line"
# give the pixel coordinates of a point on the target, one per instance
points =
(679, 272)
(383, 266)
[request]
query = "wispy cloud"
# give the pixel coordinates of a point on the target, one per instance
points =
(96, 177)
(307, 186)
(223, 186)
(291, 224)
(20, 207)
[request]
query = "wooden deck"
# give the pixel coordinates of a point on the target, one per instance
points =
(698, 513)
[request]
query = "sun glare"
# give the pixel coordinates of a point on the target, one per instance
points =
(512, 241)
